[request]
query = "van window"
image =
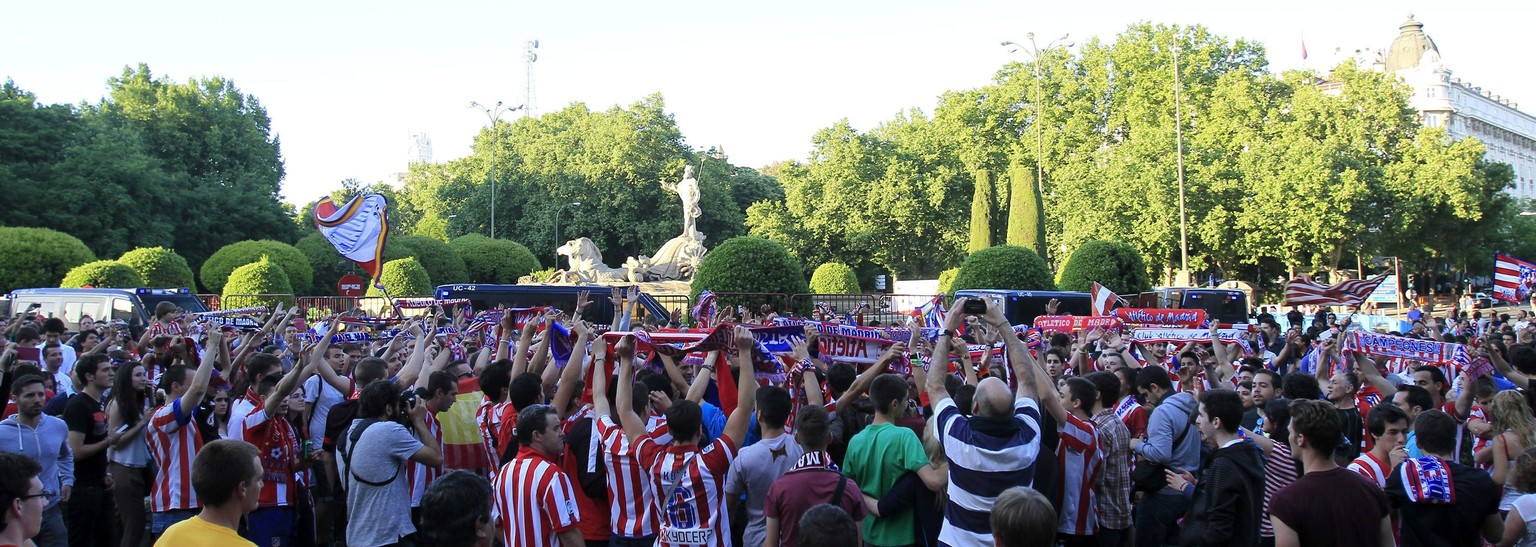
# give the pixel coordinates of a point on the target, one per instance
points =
(122, 310)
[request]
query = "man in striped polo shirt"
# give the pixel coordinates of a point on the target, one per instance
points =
(631, 518)
(689, 481)
(994, 449)
(535, 501)
(174, 440)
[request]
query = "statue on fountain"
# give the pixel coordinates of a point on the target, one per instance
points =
(677, 259)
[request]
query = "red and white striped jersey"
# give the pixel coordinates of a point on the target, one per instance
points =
(1080, 462)
(534, 501)
(173, 441)
(278, 445)
(630, 499)
(497, 421)
(1372, 469)
(166, 329)
(689, 487)
(419, 476)
(1133, 415)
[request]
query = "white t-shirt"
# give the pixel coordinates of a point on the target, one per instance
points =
(322, 396)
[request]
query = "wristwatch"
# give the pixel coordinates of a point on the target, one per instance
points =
(947, 332)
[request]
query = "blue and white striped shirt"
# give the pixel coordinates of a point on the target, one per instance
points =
(981, 467)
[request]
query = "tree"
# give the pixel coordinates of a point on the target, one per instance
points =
(1118, 266)
(947, 281)
(749, 264)
(159, 267)
(259, 283)
(38, 257)
(834, 278)
(443, 265)
(102, 274)
(217, 269)
(1004, 267)
(403, 278)
(981, 212)
(493, 260)
(1026, 219)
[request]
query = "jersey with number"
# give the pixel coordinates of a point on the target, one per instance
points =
(1080, 462)
(420, 475)
(173, 441)
(689, 486)
(1372, 469)
(534, 501)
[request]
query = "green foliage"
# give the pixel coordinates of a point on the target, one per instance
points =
(611, 161)
(37, 257)
(947, 281)
(159, 267)
(185, 165)
(749, 264)
(443, 265)
(403, 278)
(1117, 266)
(1004, 267)
(493, 260)
(217, 269)
(835, 278)
(544, 275)
(102, 274)
(981, 212)
(262, 277)
(1026, 219)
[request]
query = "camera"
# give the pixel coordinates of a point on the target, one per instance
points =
(408, 400)
(974, 306)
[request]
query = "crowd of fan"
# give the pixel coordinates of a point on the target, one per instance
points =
(195, 434)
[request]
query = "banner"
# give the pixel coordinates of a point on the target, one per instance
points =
(1183, 336)
(1512, 278)
(1189, 318)
(1072, 323)
(1428, 351)
(420, 303)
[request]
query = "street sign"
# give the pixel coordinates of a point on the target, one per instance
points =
(350, 285)
(1386, 292)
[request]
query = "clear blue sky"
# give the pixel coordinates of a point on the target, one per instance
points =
(346, 83)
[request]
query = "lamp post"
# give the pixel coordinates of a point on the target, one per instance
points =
(1178, 132)
(493, 113)
(557, 227)
(1034, 55)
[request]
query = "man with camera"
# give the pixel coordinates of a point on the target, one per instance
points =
(372, 455)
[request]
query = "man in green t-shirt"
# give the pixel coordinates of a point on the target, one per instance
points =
(883, 452)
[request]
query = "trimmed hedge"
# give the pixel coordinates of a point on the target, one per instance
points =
(748, 264)
(403, 278)
(835, 278)
(494, 260)
(1004, 267)
(443, 264)
(1118, 266)
(102, 274)
(159, 267)
(981, 212)
(947, 281)
(38, 257)
(217, 269)
(1026, 217)
(262, 277)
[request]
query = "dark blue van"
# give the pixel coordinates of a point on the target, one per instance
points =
(1022, 307)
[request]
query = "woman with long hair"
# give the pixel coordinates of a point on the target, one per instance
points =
(1280, 467)
(129, 469)
(221, 409)
(1511, 417)
(1520, 523)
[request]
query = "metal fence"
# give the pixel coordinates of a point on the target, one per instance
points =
(866, 309)
(677, 304)
(236, 301)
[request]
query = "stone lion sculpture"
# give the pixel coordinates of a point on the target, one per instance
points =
(585, 265)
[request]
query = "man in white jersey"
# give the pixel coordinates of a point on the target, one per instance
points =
(689, 481)
(631, 516)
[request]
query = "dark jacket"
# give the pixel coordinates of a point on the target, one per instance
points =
(1229, 499)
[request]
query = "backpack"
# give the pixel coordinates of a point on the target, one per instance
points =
(337, 421)
(346, 455)
(847, 423)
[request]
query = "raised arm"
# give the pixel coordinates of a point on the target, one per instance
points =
(285, 387)
(1371, 375)
(193, 397)
(600, 404)
(934, 382)
(634, 424)
(570, 376)
(746, 388)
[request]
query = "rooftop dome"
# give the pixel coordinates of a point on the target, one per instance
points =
(1409, 46)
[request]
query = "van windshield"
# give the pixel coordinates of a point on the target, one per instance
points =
(186, 302)
(1224, 306)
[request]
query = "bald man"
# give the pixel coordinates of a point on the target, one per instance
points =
(998, 445)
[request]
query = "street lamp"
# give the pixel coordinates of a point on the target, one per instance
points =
(1034, 55)
(557, 227)
(494, 114)
(1178, 132)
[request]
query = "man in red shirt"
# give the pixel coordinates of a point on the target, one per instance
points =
(535, 503)
(267, 428)
(688, 480)
(814, 480)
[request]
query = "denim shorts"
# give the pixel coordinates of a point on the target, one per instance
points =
(165, 519)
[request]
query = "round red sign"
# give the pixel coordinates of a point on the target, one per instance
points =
(350, 285)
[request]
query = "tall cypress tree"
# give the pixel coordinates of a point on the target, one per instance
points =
(981, 212)
(1026, 217)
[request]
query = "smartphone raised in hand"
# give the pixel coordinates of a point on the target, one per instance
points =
(974, 306)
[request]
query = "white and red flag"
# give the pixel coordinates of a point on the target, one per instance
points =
(1103, 299)
(1512, 278)
(1304, 291)
(357, 229)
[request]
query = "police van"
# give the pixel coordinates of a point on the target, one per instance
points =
(136, 307)
(484, 296)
